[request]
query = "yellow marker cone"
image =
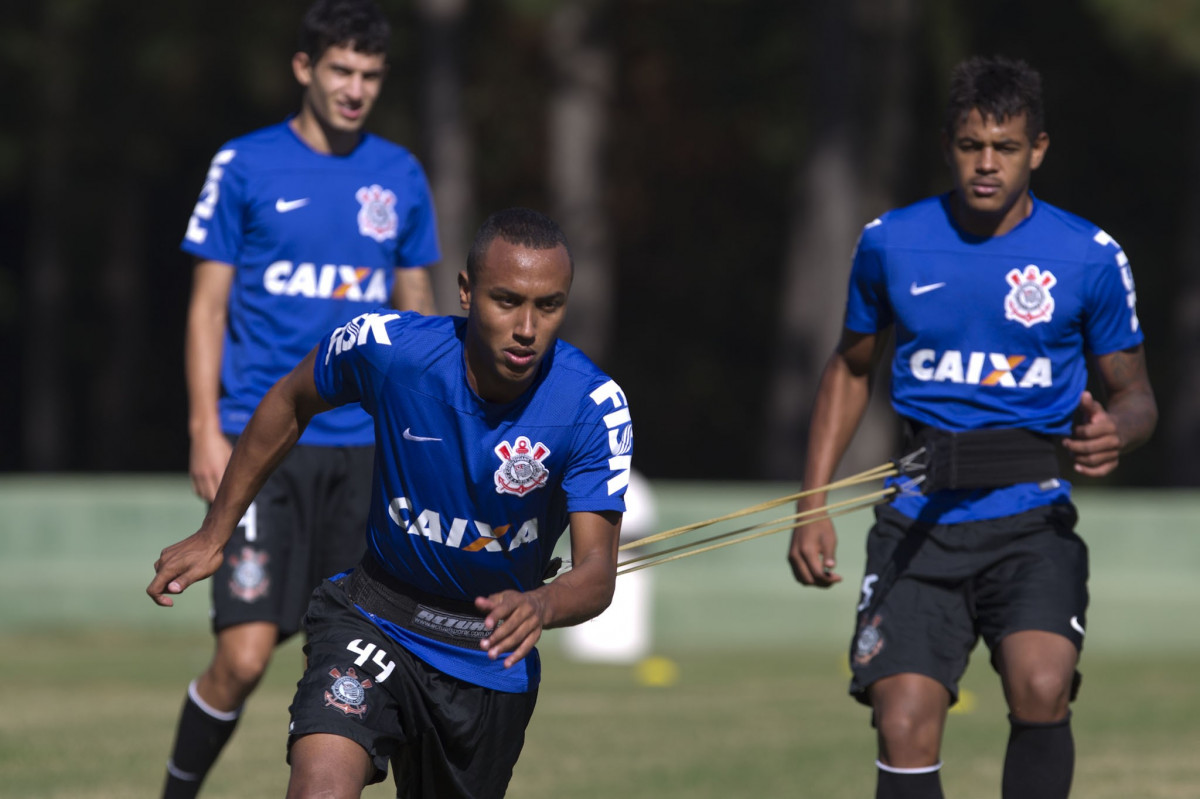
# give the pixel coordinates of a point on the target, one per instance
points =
(657, 672)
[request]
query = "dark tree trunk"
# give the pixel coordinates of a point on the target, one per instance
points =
(46, 429)
(848, 177)
(1181, 427)
(449, 143)
(578, 113)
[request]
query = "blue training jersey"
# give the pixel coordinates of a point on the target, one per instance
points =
(991, 332)
(314, 239)
(470, 497)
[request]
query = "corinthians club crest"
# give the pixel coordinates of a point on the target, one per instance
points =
(1029, 301)
(521, 468)
(868, 643)
(377, 217)
(348, 694)
(250, 580)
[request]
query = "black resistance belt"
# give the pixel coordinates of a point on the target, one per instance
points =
(981, 458)
(450, 621)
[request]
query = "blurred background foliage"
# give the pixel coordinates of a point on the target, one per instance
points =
(712, 162)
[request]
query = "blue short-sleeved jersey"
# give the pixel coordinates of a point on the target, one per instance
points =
(314, 240)
(470, 497)
(991, 332)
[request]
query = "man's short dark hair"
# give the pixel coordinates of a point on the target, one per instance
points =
(357, 23)
(1000, 88)
(522, 226)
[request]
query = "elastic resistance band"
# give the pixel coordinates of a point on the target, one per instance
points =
(755, 531)
(871, 475)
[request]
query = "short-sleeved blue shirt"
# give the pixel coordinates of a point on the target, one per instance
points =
(991, 332)
(470, 496)
(314, 240)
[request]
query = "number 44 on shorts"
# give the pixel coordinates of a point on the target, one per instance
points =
(364, 652)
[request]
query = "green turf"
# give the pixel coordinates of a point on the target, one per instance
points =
(94, 672)
(89, 716)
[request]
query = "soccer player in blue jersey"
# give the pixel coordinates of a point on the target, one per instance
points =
(299, 226)
(995, 300)
(492, 437)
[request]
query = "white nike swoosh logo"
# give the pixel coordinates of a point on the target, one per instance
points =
(283, 206)
(410, 437)
(1078, 627)
(916, 290)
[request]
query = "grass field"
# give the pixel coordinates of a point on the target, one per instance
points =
(94, 673)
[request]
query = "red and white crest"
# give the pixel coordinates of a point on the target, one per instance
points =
(1029, 300)
(348, 693)
(377, 217)
(250, 579)
(521, 468)
(869, 642)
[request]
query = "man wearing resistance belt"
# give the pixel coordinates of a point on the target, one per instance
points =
(996, 300)
(491, 435)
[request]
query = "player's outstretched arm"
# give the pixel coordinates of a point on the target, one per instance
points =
(518, 618)
(272, 431)
(1103, 431)
(841, 401)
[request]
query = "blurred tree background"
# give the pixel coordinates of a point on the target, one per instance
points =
(712, 162)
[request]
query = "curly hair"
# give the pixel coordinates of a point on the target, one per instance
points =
(997, 87)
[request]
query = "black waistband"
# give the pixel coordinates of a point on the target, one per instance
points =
(982, 458)
(375, 590)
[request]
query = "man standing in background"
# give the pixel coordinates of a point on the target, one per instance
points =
(997, 301)
(300, 227)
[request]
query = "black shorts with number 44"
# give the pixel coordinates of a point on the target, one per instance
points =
(446, 738)
(932, 591)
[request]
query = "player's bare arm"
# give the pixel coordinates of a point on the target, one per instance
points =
(206, 320)
(271, 432)
(518, 618)
(1103, 431)
(841, 401)
(413, 290)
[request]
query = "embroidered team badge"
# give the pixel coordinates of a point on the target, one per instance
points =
(869, 642)
(521, 468)
(1029, 301)
(377, 217)
(250, 580)
(348, 694)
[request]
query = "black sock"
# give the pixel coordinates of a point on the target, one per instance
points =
(1040, 760)
(201, 735)
(895, 783)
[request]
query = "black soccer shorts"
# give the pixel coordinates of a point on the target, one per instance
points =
(931, 592)
(307, 523)
(447, 739)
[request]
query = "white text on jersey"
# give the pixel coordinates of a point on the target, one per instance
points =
(428, 523)
(1106, 240)
(620, 433)
(1001, 370)
(209, 194)
(329, 282)
(358, 330)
